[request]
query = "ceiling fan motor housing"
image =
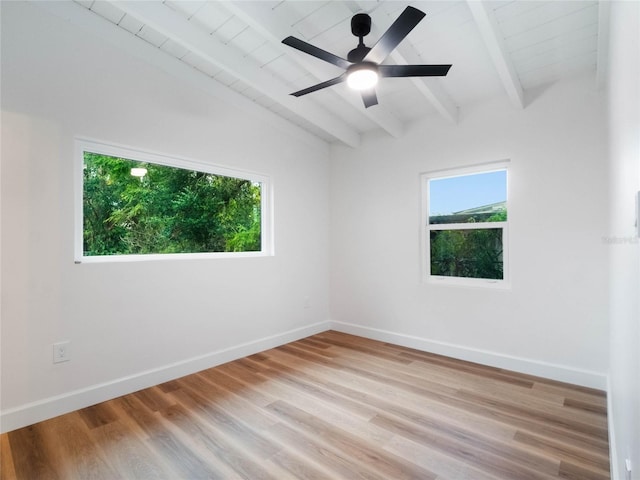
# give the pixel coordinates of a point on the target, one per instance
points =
(361, 25)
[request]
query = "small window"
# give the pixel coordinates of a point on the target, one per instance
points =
(138, 205)
(466, 226)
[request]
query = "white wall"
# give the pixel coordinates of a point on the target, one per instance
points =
(552, 321)
(134, 324)
(624, 133)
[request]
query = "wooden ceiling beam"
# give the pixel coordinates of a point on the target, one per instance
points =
(180, 30)
(494, 41)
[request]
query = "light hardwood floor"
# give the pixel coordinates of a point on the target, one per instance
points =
(329, 406)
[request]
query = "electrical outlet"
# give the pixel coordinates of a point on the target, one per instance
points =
(627, 467)
(61, 352)
(306, 302)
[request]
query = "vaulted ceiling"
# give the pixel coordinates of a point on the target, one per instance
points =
(500, 47)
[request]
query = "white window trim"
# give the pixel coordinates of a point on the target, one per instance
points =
(425, 228)
(95, 146)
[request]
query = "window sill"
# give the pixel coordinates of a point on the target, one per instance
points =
(468, 282)
(169, 257)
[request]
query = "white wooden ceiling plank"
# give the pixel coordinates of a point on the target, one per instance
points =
(435, 10)
(248, 40)
(507, 10)
(439, 23)
(85, 3)
(323, 19)
(186, 7)
(588, 34)
(252, 94)
(392, 9)
(571, 15)
(557, 71)
(239, 87)
(494, 42)
(225, 78)
(338, 39)
(264, 19)
(562, 25)
(173, 48)
(522, 42)
(289, 72)
(152, 36)
(265, 101)
(265, 54)
(583, 50)
(182, 31)
(230, 29)
(210, 17)
(290, 13)
(108, 11)
(297, 11)
(201, 64)
(130, 24)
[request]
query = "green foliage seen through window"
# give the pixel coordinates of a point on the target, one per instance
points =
(168, 210)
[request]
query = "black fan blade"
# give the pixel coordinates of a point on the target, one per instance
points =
(394, 35)
(369, 98)
(316, 52)
(413, 70)
(320, 86)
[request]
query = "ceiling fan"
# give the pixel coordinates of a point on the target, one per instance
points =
(364, 66)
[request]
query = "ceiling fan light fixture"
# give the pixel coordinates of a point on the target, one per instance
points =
(362, 76)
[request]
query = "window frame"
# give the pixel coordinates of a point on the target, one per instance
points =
(426, 228)
(83, 145)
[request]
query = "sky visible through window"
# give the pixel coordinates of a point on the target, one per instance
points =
(454, 194)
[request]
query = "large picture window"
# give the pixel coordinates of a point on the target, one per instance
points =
(466, 226)
(139, 205)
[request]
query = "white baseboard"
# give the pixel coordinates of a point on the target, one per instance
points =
(28, 414)
(40, 410)
(518, 364)
(613, 452)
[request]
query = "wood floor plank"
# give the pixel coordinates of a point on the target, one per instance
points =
(445, 466)
(203, 436)
(244, 404)
(233, 427)
(363, 452)
(593, 407)
(7, 469)
(563, 421)
(568, 453)
(495, 464)
(300, 467)
(126, 453)
(98, 415)
(31, 454)
(76, 455)
(330, 406)
(337, 463)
